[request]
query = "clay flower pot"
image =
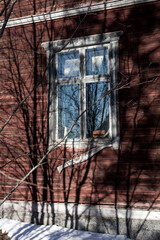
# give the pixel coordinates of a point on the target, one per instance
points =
(98, 133)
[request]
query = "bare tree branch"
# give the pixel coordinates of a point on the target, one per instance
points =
(51, 59)
(7, 16)
(118, 87)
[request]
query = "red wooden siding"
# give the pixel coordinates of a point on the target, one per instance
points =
(31, 7)
(129, 176)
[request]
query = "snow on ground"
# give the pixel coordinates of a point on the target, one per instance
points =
(23, 231)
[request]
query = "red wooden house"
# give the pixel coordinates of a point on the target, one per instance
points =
(90, 71)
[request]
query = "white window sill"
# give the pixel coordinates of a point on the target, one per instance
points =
(93, 149)
(86, 143)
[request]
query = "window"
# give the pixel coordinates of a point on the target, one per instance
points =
(82, 79)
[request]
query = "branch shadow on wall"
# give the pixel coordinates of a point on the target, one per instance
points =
(127, 178)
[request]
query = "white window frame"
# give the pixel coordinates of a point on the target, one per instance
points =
(111, 40)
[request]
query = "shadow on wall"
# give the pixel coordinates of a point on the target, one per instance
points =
(128, 178)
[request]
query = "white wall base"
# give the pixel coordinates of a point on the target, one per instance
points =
(142, 224)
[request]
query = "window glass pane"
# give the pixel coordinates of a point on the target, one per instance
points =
(96, 61)
(98, 116)
(68, 64)
(68, 110)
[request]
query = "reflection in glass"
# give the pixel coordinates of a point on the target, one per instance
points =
(97, 61)
(68, 64)
(97, 118)
(68, 110)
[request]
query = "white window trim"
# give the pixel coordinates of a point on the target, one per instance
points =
(111, 39)
(84, 157)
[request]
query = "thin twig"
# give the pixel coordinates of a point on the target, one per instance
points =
(50, 60)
